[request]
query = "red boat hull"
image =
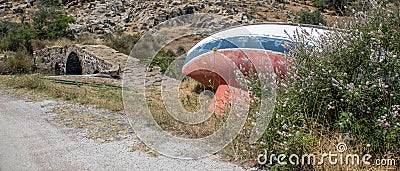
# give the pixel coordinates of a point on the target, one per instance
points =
(217, 71)
(218, 68)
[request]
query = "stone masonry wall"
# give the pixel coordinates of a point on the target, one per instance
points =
(55, 58)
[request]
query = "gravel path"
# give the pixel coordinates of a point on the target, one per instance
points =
(30, 140)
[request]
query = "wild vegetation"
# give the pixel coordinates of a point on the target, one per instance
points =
(49, 22)
(121, 42)
(16, 62)
(345, 88)
(102, 97)
(312, 17)
(20, 39)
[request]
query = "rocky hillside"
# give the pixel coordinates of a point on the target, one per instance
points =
(136, 16)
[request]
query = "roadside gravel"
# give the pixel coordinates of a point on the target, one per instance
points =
(58, 135)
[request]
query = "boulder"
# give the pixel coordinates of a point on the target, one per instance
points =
(18, 10)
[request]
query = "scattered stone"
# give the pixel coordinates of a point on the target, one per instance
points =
(18, 10)
(140, 16)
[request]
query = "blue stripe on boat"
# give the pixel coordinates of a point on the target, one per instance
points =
(237, 42)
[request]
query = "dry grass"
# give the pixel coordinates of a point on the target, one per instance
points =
(186, 42)
(239, 151)
(84, 39)
(112, 99)
(97, 127)
(189, 94)
(189, 97)
(245, 154)
(328, 143)
(143, 148)
(87, 39)
(107, 98)
(41, 44)
(16, 62)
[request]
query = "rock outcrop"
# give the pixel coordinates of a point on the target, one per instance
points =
(99, 17)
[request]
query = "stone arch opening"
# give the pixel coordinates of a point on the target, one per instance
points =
(57, 69)
(74, 66)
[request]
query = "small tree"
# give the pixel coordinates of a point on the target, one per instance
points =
(338, 5)
(314, 17)
(50, 22)
(16, 36)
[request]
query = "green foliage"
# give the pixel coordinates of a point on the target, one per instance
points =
(320, 4)
(122, 42)
(15, 36)
(348, 82)
(340, 6)
(16, 62)
(314, 17)
(163, 59)
(58, 28)
(49, 22)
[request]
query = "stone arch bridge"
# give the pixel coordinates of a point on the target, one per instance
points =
(81, 60)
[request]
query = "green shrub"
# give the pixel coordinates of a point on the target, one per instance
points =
(314, 17)
(50, 22)
(348, 82)
(16, 62)
(320, 4)
(163, 59)
(352, 82)
(58, 28)
(15, 36)
(340, 6)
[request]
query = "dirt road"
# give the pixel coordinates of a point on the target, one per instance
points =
(28, 141)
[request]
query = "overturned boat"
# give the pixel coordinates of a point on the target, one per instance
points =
(215, 60)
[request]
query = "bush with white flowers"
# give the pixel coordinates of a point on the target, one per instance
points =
(347, 82)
